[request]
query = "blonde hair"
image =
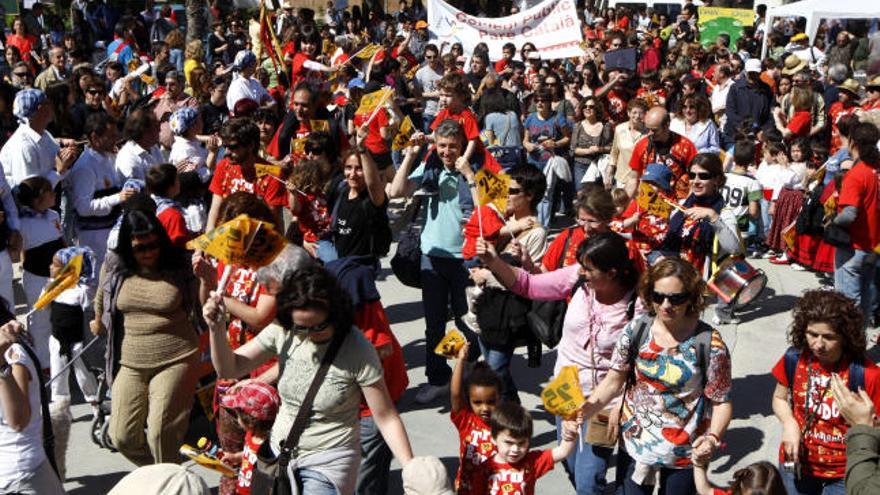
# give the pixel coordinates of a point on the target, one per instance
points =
(194, 50)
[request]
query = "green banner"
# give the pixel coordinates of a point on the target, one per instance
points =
(715, 20)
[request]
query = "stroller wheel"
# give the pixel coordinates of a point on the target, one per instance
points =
(106, 442)
(98, 423)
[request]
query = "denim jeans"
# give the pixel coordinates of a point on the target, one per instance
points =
(854, 276)
(586, 466)
(808, 485)
(427, 120)
(580, 170)
(672, 481)
(766, 220)
(375, 460)
(443, 284)
(312, 482)
(498, 358)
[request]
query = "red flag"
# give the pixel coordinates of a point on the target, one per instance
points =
(269, 41)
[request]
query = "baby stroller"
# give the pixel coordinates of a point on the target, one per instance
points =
(101, 421)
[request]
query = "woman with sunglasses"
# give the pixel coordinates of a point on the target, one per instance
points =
(602, 291)
(674, 372)
(314, 312)
(147, 292)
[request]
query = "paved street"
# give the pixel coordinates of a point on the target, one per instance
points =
(755, 344)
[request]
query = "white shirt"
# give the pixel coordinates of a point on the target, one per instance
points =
(189, 155)
(776, 177)
(736, 191)
(38, 228)
(132, 161)
(28, 153)
(21, 453)
(241, 88)
(8, 201)
(719, 96)
(92, 172)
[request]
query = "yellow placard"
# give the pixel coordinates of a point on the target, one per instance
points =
(298, 146)
(373, 100)
(319, 125)
(492, 188)
(368, 51)
(411, 74)
(65, 279)
(208, 461)
(241, 241)
(451, 344)
(404, 133)
(652, 201)
(264, 169)
(563, 397)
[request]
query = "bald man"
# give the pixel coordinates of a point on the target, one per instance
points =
(661, 146)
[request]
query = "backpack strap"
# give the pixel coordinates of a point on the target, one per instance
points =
(856, 376)
(631, 305)
(48, 434)
(565, 245)
(789, 362)
(642, 333)
(703, 346)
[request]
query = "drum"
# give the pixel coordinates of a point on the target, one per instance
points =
(737, 281)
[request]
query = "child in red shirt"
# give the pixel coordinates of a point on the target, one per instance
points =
(454, 96)
(163, 184)
(514, 470)
(308, 203)
(470, 414)
(255, 405)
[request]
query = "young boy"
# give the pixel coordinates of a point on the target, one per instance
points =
(163, 184)
(648, 230)
(513, 470)
(742, 193)
(255, 404)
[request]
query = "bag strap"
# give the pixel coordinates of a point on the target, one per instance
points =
(290, 445)
(565, 245)
(48, 434)
(789, 362)
(856, 376)
(506, 128)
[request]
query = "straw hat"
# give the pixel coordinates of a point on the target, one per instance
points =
(850, 85)
(873, 82)
(793, 64)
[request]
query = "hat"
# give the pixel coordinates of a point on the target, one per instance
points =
(850, 85)
(793, 64)
(26, 103)
(182, 120)
(753, 65)
(659, 175)
(244, 107)
(244, 59)
(87, 273)
(425, 476)
(257, 399)
(161, 479)
(357, 82)
(421, 25)
(799, 37)
(874, 82)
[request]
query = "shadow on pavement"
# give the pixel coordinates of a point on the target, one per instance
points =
(740, 442)
(770, 303)
(752, 395)
(101, 483)
(404, 312)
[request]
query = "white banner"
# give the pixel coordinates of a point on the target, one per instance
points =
(552, 26)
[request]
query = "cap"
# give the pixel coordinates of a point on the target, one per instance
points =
(257, 399)
(421, 25)
(182, 120)
(850, 85)
(793, 64)
(874, 82)
(244, 107)
(800, 37)
(356, 83)
(426, 476)
(161, 479)
(26, 103)
(753, 65)
(244, 59)
(659, 175)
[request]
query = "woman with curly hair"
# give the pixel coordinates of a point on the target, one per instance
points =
(826, 340)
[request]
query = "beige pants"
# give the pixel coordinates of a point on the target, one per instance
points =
(160, 399)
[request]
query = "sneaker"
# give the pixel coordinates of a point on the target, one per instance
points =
(798, 267)
(780, 260)
(429, 393)
(716, 320)
(768, 254)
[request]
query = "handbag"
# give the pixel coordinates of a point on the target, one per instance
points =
(270, 472)
(506, 156)
(546, 317)
(406, 264)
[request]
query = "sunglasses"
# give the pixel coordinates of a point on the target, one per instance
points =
(674, 299)
(146, 247)
(589, 107)
(95, 92)
(312, 329)
(21, 74)
(701, 175)
(512, 191)
(541, 100)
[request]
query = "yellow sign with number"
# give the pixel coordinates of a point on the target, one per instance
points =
(563, 397)
(492, 188)
(451, 344)
(264, 169)
(241, 241)
(652, 201)
(369, 51)
(370, 102)
(404, 133)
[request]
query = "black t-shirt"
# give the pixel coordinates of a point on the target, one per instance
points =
(214, 116)
(357, 221)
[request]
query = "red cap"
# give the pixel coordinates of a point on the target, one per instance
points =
(259, 400)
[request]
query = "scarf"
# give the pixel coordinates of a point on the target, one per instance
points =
(698, 241)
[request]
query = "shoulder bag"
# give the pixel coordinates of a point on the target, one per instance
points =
(270, 472)
(406, 264)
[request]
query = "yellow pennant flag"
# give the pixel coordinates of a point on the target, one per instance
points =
(411, 74)
(563, 397)
(65, 279)
(241, 241)
(451, 344)
(492, 188)
(371, 101)
(298, 146)
(206, 460)
(404, 133)
(264, 169)
(368, 51)
(319, 125)
(652, 201)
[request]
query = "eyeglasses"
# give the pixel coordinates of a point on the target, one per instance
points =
(592, 223)
(589, 107)
(541, 100)
(701, 175)
(21, 74)
(674, 299)
(95, 92)
(312, 329)
(513, 191)
(146, 247)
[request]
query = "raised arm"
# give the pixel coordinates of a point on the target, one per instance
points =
(230, 364)
(401, 186)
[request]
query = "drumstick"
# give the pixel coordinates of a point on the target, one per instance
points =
(674, 205)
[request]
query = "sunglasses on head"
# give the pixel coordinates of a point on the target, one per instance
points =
(312, 329)
(145, 247)
(701, 175)
(674, 299)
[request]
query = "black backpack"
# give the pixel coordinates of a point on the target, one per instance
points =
(810, 219)
(407, 261)
(855, 381)
(546, 317)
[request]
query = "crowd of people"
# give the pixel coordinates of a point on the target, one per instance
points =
(124, 136)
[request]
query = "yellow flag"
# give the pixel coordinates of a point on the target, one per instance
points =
(319, 125)
(264, 169)
(207, 461)
(450, 345)
(404, 133)
(298, 146)
(411, 74)
(492, 188)
(563, 397)
(241, 241)
(373, 100)
(651, 201)
(368, 51)
(64, 280)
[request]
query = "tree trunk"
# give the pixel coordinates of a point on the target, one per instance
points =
(196, 19)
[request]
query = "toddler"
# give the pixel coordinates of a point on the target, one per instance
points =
(255, 405)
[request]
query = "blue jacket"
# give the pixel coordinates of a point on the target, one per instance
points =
(747, 101)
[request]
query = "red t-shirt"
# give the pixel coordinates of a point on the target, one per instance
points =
(299, 73)
(373, 321)
(825, 441)
(374, 141)
(228, 178)
(313, 218)
(616, 105)
(466, 118)
(554, 251)
(248, 461)
(175, 224)
(475, 446)
(679, 157)
(860, 188)
(501, 478)
(501, 65)
(799, 124)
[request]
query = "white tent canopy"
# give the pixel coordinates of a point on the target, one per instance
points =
(816, 10)
(651, 3)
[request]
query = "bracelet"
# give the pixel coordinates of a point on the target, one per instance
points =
(714, 436)
(471, 184)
